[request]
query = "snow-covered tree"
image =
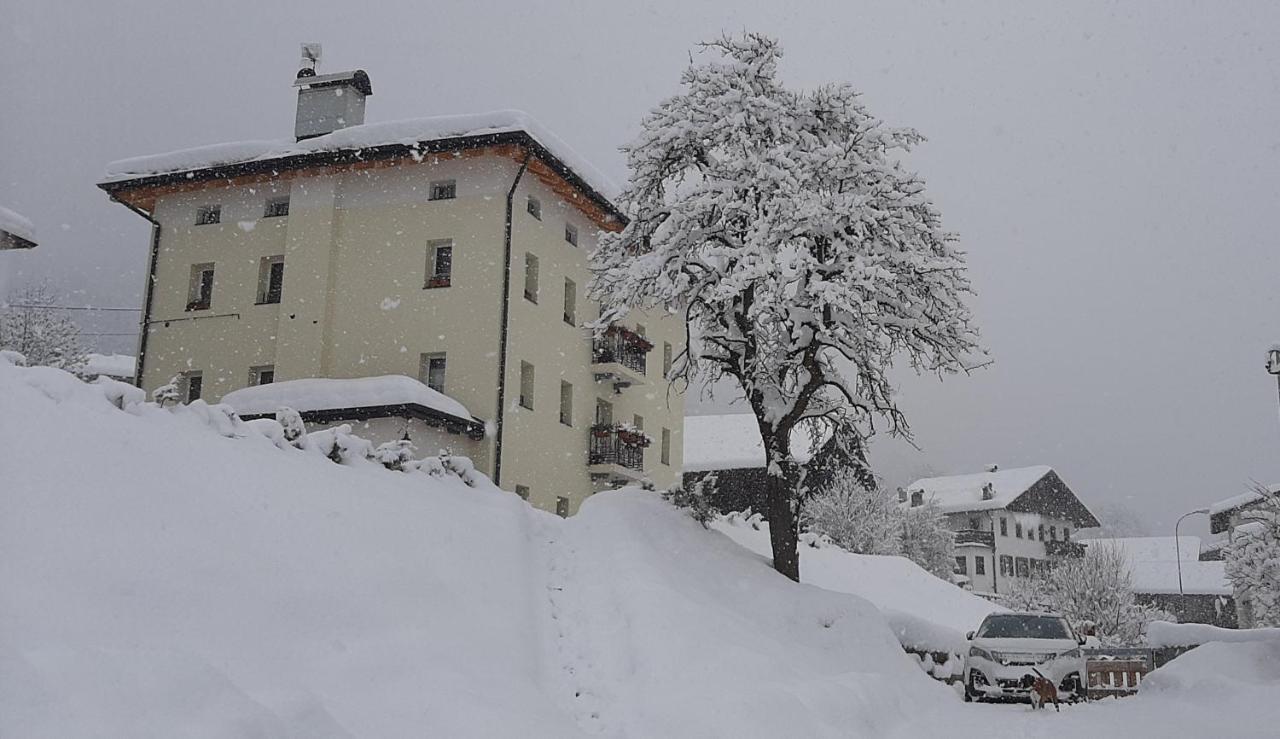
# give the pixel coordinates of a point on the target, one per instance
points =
(394, 455)
(861, 519)
(927, 541)
(1097, 588)
(168, 393)
(44, 335)
(804, 258)
(291, 425)
(1252, 560)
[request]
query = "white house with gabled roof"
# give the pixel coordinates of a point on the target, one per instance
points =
(1008, 524)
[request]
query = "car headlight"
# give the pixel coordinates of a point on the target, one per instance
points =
(980, 652)
(1071, 653)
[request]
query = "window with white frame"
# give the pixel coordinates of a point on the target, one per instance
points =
(530, 277)
(443, 190)
(270, 279)
(570, 302)
(439, 263)
(277, 207)
(192, 386)
(566, 403)
(571, 233)
(431, 369)
(200, 290)
(534, 207)
(526, 385)
(262, 375)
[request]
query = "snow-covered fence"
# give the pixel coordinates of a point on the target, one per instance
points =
(1116, 672)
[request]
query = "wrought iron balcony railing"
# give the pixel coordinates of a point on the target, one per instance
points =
(610, 444)
(621, 346)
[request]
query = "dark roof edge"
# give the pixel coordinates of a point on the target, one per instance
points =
(453, 424)
(370, 153)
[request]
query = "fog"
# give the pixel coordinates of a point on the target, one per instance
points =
(1111, 169)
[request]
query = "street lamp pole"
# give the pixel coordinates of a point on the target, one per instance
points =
(1273, 364)
(1177, 543)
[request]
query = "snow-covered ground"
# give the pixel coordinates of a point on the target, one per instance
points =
(158, 579)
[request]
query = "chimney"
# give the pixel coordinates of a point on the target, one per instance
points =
(988, 491)
(327, 102)
(993, 468)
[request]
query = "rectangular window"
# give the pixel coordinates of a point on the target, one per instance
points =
(1066, 534)
(562, 507)
(1006, 565)
(638, 421)
(208, 214)
(979, 565)
(1017, 530)
(570, 302)
(522, 491)
(566, 403)
(264, 375)
(534, 206)
(604, 412)
(526, 385)
(666, 359)
(1053, 533)
(571, 233)
(530, 278)
(666, 446)
(640, 329)
(192, 386)
(270, 279)
(200, 293)
(1040, 532)
(276, 207)
(443, 190)
(439, 263)
(431, 371)
(975, 524)
(1022, 567)
(1004, 527)
(960, 568)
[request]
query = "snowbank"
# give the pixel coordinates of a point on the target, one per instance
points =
(1220, 669)
(1198, 578)
(160, 579)
(1165, 634)
(111, 365)
(924, 611)
(317, 394)
(405, 132)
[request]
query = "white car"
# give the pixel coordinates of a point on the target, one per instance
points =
(1009, 649)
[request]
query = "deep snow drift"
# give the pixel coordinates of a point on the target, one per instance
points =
(158, 579)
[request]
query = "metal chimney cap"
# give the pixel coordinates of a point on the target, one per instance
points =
(358, 79)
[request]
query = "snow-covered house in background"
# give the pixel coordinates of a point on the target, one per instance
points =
(1007, 523)
(1225, 518)
(452, 250)
(16, 231)
(729, 445)
(1204, 595)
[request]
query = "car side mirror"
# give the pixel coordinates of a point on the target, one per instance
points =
(969, 637)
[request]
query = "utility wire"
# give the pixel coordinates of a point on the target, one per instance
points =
(72, 307)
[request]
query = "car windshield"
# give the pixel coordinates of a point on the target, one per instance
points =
(1024, 627)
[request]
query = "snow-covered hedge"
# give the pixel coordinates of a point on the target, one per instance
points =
(1166, 634)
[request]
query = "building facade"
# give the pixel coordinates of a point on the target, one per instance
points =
(450, 250)
(1008, 524)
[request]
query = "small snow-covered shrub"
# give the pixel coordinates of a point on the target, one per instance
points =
(428, 465)
(461, 466)
(295, 431)
(220, 417)
(394, 455)
(340, 445)
(168, 393)
(271, 429)
(696, 499)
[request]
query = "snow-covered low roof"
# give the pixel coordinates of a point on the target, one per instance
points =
(369, 135)
(325, 394)
(1236, 501)
(956, 493)
(17, 225)
(1198, 578)
(729, 442)
(1151, 548)
(111, 365)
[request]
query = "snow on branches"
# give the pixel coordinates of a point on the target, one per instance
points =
(804, 257)
(1253, 561)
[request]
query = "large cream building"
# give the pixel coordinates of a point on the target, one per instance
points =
(448, 250)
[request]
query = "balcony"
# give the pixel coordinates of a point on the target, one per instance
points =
(1055, 548)
(619, 356)
(975, 537)
(615, 454)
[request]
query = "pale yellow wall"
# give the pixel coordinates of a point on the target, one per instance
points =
(354, 305)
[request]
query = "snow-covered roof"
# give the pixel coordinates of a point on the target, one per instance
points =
(1151, 548)
(322, 394)
(957, 493)
(1236, 501)
(406, 132)
(729, 442)
(1198, 578)
(111, 365)
(17, 225)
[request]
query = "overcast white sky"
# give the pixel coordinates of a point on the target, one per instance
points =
(1113, 170)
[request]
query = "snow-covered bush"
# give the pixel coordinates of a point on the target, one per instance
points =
(340, 445)
(695, 498)
(168, 393)
(1253, 562)
(859, 519)
(295, 431)
(806, 260)
(1097, 588)
(394, 455)
(461, 466)
(271, 430)
(926, 540)
(42, 334)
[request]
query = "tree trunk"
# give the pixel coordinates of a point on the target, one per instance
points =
(780, 492)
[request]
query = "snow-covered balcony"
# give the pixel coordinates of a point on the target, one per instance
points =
(975, 537)
(615, 453)
(620, 356)
(1055, 548)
